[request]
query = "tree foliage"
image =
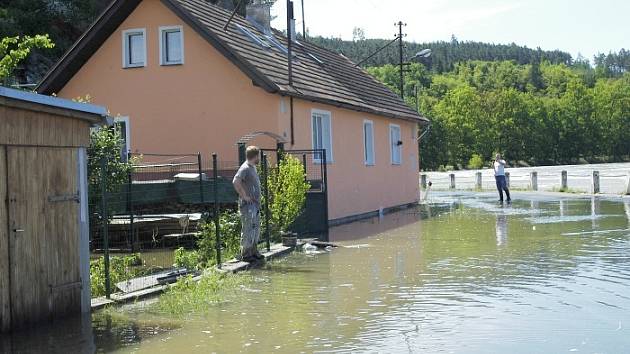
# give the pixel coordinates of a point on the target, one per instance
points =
(287, 192)
(13, 50)
(105, 143)
(539, 113)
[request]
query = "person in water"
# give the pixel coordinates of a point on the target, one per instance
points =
(499, 176)
(247, 185)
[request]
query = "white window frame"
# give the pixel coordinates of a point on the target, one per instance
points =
(366, 153)
(329, 152)
(126, 55)
(127, 133)
(392, 147)
(162, 41)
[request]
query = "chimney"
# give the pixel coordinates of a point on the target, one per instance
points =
(259, 14)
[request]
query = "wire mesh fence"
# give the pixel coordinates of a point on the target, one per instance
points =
(143, 209)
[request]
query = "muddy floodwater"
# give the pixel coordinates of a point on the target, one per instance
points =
(462, 275)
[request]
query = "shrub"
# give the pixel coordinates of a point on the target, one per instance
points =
(287, 193)
(186, 259)
(475, 162)
(120, 269)
(230, 228)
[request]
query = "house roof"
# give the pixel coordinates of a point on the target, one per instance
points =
(319, 75)
(92, 113)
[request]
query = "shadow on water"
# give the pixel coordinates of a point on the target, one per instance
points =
(97, 333)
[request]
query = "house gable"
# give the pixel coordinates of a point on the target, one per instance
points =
(319, 75)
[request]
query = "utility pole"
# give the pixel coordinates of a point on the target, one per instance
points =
(303, 23)
(401, 47)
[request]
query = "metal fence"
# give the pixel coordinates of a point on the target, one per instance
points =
(140, 216)
(157, 205)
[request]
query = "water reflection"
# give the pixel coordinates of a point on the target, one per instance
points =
(595, 206)
(101, 332)
(501, 229)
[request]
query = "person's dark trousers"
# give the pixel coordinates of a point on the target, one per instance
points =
(502, 186)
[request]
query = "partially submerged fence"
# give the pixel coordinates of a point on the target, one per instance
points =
(609, 181)
(160, 204)
(155, 204)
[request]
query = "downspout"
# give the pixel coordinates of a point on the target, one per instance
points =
(290, 33)
(292, 130)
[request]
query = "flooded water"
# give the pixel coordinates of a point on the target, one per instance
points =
(464, 275)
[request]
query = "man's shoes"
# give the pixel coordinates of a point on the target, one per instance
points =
(259, 256)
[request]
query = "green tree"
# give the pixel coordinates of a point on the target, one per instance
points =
(105, 143)
(13, 50)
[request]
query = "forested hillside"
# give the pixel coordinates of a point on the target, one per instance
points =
(538, 113)
(445, 54)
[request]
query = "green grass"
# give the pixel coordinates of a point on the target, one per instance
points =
(189, 296)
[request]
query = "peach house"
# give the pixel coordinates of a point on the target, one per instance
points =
(181, 84)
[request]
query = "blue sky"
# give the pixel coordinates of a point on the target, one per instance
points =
(576, 26)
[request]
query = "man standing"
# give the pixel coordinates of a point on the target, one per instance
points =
(499, 176)
(247, 185)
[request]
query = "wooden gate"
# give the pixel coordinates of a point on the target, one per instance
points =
(43, 214)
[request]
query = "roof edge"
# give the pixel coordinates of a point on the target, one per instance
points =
(83, 49)
(417, 119)
(258, 78)
(90, 112)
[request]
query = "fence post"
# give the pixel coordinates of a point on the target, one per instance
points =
(452, 185)
(595, 182)
(242, 153)
(215, 191)
(130, 206)
(325, 177)
(423, 181)
(265, 171)
(478, 184)
(199, 169)
(533, 180)
(628, 185)
(304, 164)
(507, 179)
(564, 183)
(105, 224)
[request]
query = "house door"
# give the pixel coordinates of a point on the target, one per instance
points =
(44, 233)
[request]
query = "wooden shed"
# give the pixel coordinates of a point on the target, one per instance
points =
(44, 251)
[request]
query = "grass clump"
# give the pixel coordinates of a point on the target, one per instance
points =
(121, 268)
(188, 296)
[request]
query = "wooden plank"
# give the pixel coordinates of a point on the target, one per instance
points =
(5, 294)
(22, 127)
